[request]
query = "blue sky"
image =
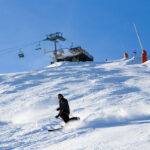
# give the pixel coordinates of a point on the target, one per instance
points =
(103, 27)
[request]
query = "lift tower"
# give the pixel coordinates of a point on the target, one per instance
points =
(54, 37)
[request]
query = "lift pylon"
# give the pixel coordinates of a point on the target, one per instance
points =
(54, 37)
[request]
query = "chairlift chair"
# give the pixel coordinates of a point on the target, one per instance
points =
(134, 53)
(38, 47)
(21, 54)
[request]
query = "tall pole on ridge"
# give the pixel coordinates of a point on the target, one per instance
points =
(55, 51)
(138, 36)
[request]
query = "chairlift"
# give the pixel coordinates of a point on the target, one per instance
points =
(134, 53)
(38, 47)
(21, 54)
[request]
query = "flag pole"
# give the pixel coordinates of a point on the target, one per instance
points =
(138, 36)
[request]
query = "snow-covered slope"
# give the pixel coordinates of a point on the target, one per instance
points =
(112, 100)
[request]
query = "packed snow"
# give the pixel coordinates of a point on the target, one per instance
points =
(112, 100)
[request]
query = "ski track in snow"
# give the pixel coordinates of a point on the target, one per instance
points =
(112, 100)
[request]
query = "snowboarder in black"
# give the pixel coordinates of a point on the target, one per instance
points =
(64, 109)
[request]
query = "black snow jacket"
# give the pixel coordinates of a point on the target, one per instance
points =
(63, 107)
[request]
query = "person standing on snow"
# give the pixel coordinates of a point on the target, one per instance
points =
(64, 110)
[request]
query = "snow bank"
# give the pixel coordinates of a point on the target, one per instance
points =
(111, 98)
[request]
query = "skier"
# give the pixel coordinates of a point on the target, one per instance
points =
(64, 109)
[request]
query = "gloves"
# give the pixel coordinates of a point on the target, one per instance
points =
(58, 109)
(57, 116)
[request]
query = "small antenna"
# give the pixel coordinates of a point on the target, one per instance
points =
(138, 36)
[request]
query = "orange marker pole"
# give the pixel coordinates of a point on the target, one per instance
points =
(144, 56)
(125, 55)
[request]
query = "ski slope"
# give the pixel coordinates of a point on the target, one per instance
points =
(112, 99)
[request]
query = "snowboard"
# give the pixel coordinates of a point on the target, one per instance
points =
(55, 129)
(61, 127)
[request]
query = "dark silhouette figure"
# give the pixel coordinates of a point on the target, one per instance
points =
(64, 110)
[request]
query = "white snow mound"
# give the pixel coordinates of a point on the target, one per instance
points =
(111, 98)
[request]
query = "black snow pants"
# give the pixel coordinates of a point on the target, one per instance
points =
(66, 118)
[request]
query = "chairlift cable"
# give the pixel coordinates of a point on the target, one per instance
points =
(13, 49)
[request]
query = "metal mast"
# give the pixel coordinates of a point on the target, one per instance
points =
(138, 36)
(54, 37)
